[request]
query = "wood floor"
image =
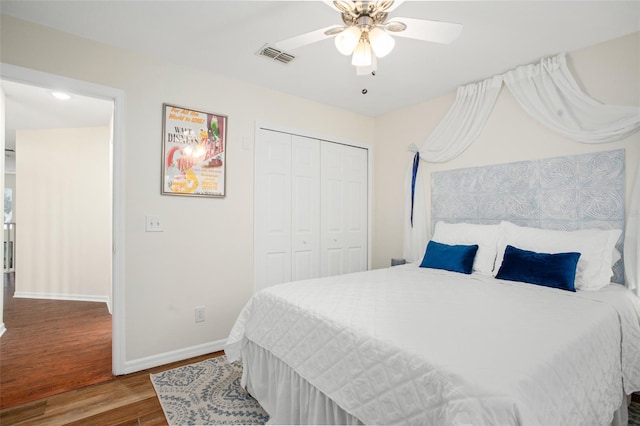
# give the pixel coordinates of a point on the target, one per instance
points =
(124, 401)
(51, 346)
(55, 367)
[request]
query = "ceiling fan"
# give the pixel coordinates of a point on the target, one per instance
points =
(366, 33)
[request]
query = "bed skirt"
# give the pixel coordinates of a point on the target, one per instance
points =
(285, 395)
(290, 399)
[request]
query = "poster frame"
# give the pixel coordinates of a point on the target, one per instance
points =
(201, 150)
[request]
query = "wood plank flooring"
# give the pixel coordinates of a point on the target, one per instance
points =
(55, 367)
(124, 401)
(51, 346)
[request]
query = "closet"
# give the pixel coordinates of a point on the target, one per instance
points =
(311, 208)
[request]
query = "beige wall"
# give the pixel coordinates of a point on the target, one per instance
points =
(609, 72)
(63, 247)
(204, 257)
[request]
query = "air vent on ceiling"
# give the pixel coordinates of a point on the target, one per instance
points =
(276, 54)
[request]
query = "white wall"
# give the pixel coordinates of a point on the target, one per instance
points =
(204, 257)
(2, 177)
(9, 164)
(64, 241)
(609, 72)
(10, 183)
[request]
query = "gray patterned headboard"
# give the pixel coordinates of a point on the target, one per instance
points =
(567, 193)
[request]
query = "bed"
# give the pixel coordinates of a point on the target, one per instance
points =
(429, 344)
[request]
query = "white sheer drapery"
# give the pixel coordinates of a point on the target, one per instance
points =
(632, 238)
(460, 127)
(463, 123)
(550, 94)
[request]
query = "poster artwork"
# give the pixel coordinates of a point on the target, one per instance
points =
(193, 152)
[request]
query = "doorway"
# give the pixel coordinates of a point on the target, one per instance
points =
(115, 98)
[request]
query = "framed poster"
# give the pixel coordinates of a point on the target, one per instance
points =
(193, 152)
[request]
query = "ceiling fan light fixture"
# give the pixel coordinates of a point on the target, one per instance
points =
(362, 56)
(347, 40)
(381, 42)
(369, 70)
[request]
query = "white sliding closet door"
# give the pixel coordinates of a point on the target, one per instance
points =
(344, 209)
(305, 208)
(311, 208)
(287, 213)
(273, 209)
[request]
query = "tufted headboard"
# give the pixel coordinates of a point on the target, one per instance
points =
(567, 193)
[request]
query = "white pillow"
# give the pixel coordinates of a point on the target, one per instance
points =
(485, 236)
(596, 248)
(616, 256)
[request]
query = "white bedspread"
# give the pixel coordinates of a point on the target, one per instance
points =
(412, 345)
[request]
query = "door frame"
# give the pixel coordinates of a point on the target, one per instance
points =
(265, 125)
(52, 81)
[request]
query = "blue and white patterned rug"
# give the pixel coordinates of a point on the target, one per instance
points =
(207, 393)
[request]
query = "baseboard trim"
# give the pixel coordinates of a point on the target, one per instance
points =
(2, 329)
(69, 297)
(172, 356)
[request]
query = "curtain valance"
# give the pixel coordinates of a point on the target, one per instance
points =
(463, 123)
(548, 92)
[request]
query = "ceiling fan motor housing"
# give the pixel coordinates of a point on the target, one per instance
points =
(363, 14)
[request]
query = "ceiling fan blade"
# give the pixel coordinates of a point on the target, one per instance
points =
(307, 38)
(334, 31)
(422, 29)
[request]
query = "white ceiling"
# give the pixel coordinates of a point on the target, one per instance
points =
(223, 37)
(30, 107)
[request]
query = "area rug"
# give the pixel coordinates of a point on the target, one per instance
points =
(207, 393)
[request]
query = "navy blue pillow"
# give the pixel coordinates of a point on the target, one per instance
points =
(556, 270)
(457, 258)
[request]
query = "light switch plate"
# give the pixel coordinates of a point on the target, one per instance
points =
(153, 224)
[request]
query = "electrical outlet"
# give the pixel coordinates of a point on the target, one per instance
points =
(199, 310)
(153, 224)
